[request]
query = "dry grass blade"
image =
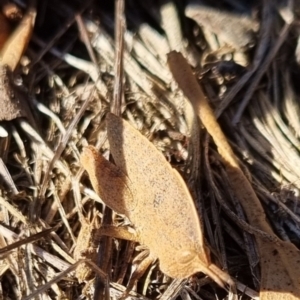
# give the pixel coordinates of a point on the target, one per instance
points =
(62, 144)
(66, 272)
(30, 239)
(261, 71)
(119, 58)
(7, 178)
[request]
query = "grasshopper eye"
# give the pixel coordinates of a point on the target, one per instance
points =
(186, 257)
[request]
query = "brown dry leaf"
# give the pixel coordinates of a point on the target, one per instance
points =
(234, 30)
(279, 260)
(12, 102)
(4, 30)
(17, 42)
(143, 186)
(11, 105)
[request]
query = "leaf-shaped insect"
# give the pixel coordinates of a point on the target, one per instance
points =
(143, 186)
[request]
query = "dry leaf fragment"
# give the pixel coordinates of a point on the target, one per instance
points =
(143, 186)
(235, 30)
(11, 105)
(12, 102)
(12, 12)
(4, 30)
(17, 42)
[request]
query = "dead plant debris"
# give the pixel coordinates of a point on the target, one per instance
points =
(82, 59)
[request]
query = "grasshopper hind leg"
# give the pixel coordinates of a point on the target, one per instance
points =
(143, 260)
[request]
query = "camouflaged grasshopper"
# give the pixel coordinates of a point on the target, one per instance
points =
(143, 186)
